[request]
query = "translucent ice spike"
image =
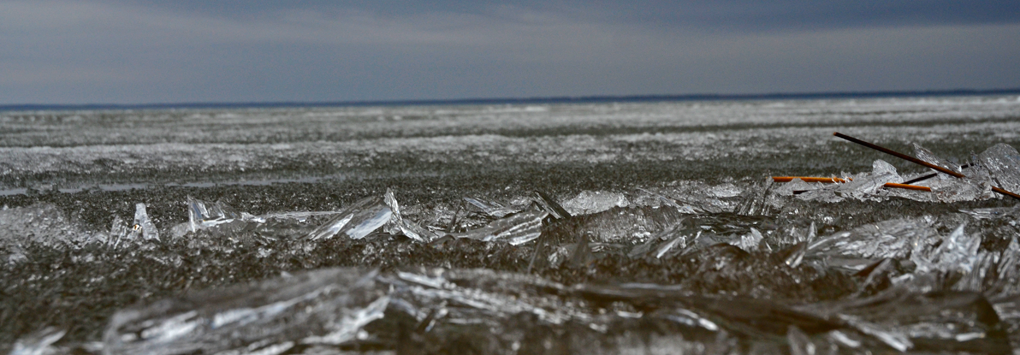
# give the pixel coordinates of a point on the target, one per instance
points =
(398, 225)
(142, 226)
(679, 242)
(329, 306)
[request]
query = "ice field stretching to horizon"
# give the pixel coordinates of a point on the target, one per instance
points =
(555, 228)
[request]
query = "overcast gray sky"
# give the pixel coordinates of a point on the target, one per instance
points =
(80, 51)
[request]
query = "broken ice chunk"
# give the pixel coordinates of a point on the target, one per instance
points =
(800, 343)
(796, 187)
(677, 243)
(974, 187)
(1003, 164)
(368, 216)
(946, 321)
(995, 213)
(205, 216)
(589, 202)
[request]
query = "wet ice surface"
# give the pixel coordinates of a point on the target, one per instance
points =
(602, 228)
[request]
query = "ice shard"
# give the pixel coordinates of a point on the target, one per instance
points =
(368, 216)
(750, 242)
(550, 205)
(142, 226)
(200, 217)
(930, 157)
(518, 228)
(356, 221)
(490, 208)
(398, 225)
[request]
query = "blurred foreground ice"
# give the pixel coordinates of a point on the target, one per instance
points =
(350, 309)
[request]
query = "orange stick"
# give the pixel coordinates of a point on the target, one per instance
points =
(908, 187)
(808, 179)
(839, 180)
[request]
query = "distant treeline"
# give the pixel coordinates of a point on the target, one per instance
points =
(528, 100)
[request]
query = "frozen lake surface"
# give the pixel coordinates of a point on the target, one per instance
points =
(524, 228)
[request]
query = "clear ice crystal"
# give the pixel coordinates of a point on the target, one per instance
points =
(796, 186)
(994, 213)
(336, 309)
(926, 322)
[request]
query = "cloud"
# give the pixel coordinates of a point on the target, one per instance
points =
(132, 51)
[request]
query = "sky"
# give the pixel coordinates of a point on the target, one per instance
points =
(138, 51)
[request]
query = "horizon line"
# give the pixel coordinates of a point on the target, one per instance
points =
(515, 100)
